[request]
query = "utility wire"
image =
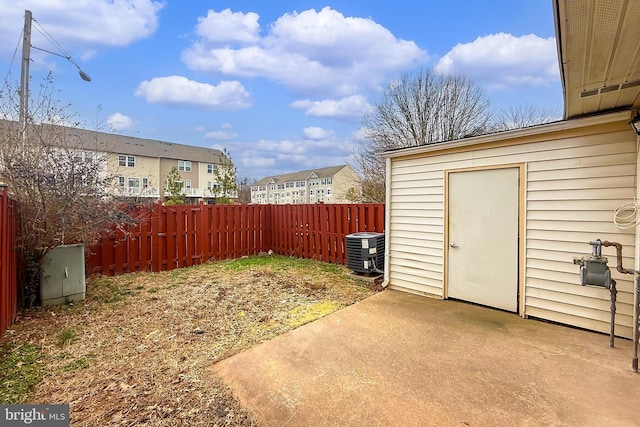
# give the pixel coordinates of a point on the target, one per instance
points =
(5, 85)
(50, 38)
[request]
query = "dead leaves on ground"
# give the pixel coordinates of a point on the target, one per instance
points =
(146, 342)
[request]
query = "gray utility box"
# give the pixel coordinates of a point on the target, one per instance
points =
(365, 252)
(62, 275)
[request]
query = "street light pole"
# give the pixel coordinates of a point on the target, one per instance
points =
(23, 116)
(24, 72)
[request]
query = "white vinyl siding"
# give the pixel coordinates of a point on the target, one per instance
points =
(572, 187)
(417, 227)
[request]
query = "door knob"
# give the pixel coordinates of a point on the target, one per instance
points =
(453, 245)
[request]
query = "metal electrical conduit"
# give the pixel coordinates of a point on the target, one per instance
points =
(636, 297)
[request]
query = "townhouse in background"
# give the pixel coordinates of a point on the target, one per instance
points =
(139, 166)
(324, 185)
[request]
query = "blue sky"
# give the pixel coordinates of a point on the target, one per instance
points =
(282, 85)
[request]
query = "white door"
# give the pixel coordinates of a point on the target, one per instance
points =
(483, 237)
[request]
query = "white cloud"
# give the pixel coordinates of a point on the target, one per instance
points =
(282, 146)
(220, 135)
(502, 60)
(315, 133)
(350, 108)
(253, 162)
(257, 159)
(228, 26)
(180, 91)
(119, 122)
(312, 53)
(81, 25)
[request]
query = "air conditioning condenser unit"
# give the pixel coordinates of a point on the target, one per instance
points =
(365, 252)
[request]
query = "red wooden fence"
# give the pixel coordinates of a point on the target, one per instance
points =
(168, 237)
(8, 261)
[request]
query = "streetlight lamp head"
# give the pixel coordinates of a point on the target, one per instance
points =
(84, 76)
(635, 124)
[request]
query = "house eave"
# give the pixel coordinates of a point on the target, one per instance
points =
(514, 135)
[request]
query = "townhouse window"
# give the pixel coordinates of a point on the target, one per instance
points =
(126, 161)
(328, 180)
(187, 183)
(328, 191)
(121, 181)
(184, 165)
(145, 182)
(178, 182)
(134, 183)
(211, 168)
(311, 193)
(83, 156)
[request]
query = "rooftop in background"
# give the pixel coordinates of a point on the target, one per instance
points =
(302, 175)
(123, 144)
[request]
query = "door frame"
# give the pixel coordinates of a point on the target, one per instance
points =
(521, 225)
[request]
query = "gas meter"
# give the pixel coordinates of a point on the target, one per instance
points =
(593, 269)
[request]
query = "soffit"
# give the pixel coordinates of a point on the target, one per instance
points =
(599, 53)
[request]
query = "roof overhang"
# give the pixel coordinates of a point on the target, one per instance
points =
(514, 137)
(599, 54)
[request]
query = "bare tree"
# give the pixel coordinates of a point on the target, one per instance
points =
(225, 175)
(523, 116)
(418, 109)
(59, 181)
(244, 190)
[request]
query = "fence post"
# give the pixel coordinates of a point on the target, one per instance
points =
(202, 234)
(8, 260)
(155, 238)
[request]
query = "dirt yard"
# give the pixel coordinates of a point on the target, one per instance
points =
(139, 350)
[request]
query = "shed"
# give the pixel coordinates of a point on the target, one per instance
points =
(497, 219)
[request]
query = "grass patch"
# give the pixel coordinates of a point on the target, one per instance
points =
(112, 290)
(67, 336)
(304, 314)
(81, 363)
(20, 371)
(242, 264)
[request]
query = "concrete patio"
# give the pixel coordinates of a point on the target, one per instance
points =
(397, 359)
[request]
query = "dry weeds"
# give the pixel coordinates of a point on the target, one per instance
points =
(146, 342)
